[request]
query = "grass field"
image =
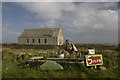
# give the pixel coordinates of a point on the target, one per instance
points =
(10, 68)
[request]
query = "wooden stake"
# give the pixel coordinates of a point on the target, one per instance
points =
(95, 66)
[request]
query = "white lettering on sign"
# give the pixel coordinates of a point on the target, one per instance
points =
(89, 60)
(94, 60)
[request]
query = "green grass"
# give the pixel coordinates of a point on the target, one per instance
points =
(51, 65)
(11, 69)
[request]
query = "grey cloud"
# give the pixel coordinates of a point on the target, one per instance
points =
(82, 22)
(60, 0)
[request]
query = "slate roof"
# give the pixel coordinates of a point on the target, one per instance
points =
(40, 32)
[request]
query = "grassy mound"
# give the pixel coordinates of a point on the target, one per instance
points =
(51, 65)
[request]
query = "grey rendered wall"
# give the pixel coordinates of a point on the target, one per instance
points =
(60, 40)
(49, 41)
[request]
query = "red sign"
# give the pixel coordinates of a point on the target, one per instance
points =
(92, 60)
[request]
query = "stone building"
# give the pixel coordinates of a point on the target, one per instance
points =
(41, 36)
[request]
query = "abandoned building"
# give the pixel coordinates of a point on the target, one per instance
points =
(41, 36)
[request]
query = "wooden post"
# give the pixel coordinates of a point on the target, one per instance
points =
(95, 66)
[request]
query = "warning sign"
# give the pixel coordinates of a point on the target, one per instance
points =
(93, 60)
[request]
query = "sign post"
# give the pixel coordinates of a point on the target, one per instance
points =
(93, 59)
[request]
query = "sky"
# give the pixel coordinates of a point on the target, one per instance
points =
(82, 22)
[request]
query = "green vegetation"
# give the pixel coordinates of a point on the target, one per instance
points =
(51, 65)
(11, 68)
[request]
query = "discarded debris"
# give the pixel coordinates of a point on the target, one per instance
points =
(36, 58)
(61, 56)
(102, 68)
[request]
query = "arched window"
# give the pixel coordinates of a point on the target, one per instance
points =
(27, 40)
(45, 40)
(33, 40)
(39, 41)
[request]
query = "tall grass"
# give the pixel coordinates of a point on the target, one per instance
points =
(10, 68)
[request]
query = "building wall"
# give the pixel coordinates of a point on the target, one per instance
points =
(53, 37)
(60, 40)
(49, 41)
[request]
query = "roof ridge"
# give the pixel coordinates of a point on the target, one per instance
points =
(40, 28)
(35, 32)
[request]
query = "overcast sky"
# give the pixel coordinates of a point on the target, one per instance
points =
(82, 22)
